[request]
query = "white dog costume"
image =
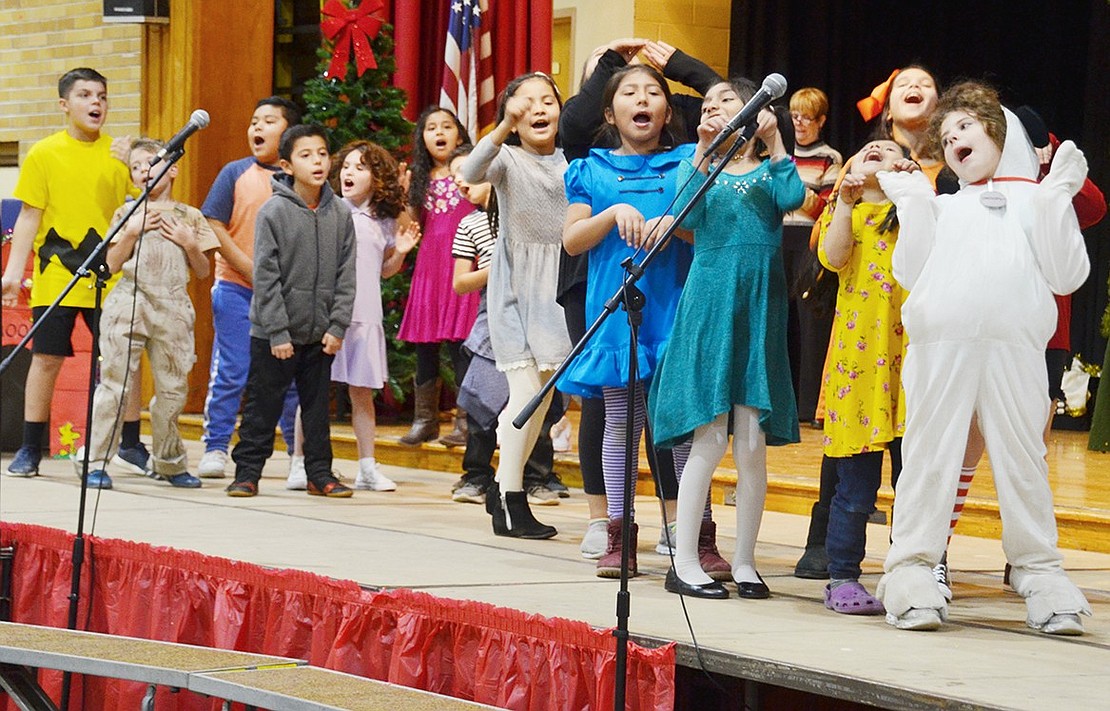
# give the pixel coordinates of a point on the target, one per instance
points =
(979, 315)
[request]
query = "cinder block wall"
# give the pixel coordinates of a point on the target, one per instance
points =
(40, 41)
(698, 27)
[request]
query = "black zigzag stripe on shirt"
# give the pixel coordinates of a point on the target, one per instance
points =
(70, 258)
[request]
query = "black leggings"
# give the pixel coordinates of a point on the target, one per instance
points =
(427, 360)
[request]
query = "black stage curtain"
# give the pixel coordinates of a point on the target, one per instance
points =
(1052, 56)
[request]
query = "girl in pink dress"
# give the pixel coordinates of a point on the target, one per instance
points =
(435, 314)
(367, 180)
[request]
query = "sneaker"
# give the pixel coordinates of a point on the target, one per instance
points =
(554, 483)
(329, 488)
(99, 479)
(370, 478)
(25, 463)
(468, 493)
(212, 464)
(298, 478)
(242, 488)
(133, 460)
(917, 618)
(540, 495)
(667, 537)
(1063, 624)
(940, 574)
(596, 538)
(184, 480)
(560, 435)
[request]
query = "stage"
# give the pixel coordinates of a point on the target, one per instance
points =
(417, 538)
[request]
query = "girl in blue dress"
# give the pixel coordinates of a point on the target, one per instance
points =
(727, 358)
(617, 200)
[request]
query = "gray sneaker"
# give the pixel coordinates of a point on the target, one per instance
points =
(469, 493)
(542, 496)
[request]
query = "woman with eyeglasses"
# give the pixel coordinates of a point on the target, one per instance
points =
(810, 316)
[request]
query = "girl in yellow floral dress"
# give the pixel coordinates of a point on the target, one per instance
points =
(865, 405)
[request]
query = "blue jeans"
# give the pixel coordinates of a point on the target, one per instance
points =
(231, 359)
(858, 480)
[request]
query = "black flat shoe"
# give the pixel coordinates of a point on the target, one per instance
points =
(709, 591)
(753, 591)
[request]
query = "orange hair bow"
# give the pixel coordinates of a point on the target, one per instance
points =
(871, 106)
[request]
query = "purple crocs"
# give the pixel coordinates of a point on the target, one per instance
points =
(852, 599)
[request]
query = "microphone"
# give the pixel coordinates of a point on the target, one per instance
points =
(773, 87)
(197, 121)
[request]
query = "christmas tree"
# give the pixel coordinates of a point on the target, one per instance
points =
(354, 98)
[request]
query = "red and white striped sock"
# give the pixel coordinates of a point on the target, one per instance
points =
(966, 475)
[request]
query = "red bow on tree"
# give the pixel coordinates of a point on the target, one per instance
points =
(346, 27)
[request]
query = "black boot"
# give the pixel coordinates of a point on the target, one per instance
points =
(814, 563)
(517, 518)
(425, 421)
(496, 508)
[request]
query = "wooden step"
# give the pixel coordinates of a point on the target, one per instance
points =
(792, 481)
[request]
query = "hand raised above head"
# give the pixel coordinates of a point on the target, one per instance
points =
(658, 53)
(627, 47)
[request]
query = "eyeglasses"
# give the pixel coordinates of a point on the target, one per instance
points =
(801, 118)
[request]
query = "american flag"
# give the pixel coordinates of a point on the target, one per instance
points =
(468, 68)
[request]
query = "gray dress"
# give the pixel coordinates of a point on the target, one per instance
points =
(526, 326)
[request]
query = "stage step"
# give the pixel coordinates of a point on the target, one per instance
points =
(792, 481)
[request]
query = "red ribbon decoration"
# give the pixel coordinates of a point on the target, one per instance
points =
(346, 27)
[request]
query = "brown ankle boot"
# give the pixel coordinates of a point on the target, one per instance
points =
(425, 421)
(457, 436)
(709, 557)
(609, 565)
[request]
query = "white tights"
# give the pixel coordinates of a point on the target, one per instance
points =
(749, 450)
(516, 444)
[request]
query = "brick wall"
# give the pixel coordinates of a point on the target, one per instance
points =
(698, 27)
(40, 41)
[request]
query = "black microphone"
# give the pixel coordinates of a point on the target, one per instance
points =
(773, 87)
(197, 121)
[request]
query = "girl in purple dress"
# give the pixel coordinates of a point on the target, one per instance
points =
(435, 314)
(367, 180)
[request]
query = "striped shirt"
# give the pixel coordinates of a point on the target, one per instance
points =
(818, 165)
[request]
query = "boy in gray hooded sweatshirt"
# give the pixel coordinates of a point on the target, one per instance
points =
(304, 289)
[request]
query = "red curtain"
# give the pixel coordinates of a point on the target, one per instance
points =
(521, 38)
(469, 650)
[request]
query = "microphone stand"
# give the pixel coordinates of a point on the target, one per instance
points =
(629, 296)
(97, 268)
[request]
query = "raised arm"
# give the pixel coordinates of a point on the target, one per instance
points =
(913, 195)
(1055, 236)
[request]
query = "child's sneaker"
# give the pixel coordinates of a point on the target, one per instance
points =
(370, 478)
(133, 460)
(331, 488)
(242, 488)
(25, 463)
(99, 479)
(467, 492)
(940, 574)
(298, 478)
(560, 435)
(212, 464)
(540, 495)
(554, 483)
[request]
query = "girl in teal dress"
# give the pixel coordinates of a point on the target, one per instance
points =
(726, 357)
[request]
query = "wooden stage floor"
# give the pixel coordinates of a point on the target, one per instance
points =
(418, 538)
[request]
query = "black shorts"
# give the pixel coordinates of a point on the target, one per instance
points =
(1056, 360)
(55, 336)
